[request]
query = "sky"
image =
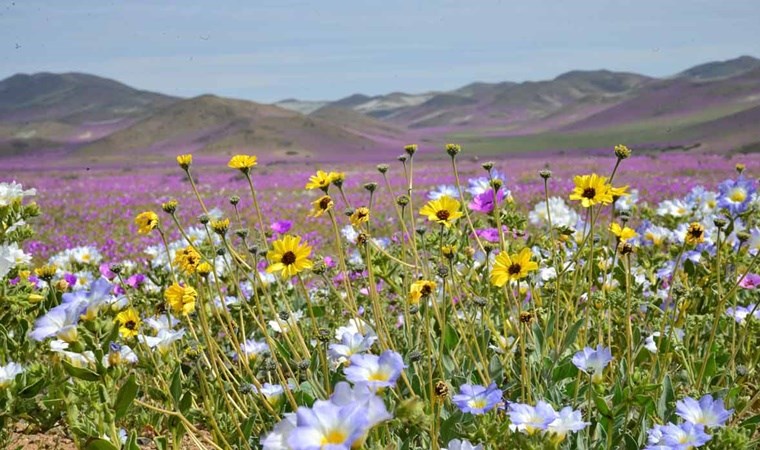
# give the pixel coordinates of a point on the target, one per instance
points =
(324, 50)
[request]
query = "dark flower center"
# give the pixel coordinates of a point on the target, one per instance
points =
(442, 214)
(426, 290)
(130, 325)
(361, 214)
(695, 233)
(589, 193)
(288, 258)
(514, 269)
(324, 203)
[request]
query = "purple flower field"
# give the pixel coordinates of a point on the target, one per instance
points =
(96, 206)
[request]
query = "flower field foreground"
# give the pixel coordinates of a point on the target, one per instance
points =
(587, 311)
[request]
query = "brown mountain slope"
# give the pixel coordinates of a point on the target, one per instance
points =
(212, 125)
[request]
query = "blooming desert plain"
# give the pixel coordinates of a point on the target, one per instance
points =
(568, 264)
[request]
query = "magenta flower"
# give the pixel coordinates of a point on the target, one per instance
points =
(281, 226)
(486, 201)
(136, 280)
(105, 270)
(750, 281)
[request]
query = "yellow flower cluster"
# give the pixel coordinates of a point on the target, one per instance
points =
(187, 259)
(181, 299)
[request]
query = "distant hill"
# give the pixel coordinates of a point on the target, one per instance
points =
(721, 69)
(211, 125)
(73, 98)
(710, 106)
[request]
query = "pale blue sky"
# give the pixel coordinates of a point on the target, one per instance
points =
(270, 50)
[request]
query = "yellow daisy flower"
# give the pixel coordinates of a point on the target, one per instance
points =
(444, 210)
(187, 259)
(320, 180)
(289, 256)
(591, 190)
(623, 233)
(337, 178)
(220, 226)
(421, 289)
(184, 161)
(181, 298)
(512, 267)
(359, 216)
(321, 205)
(242, 162)
(695, 234)
(146, 222)
(618, 192)
(129, 323)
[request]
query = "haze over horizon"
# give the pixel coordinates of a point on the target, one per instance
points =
(328, 50)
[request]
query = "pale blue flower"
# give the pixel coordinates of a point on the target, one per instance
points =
(736, 195)
(351, 344)
(443, 190)
(567, 421)
(593, 361)
(362, 396)
(8, 373)
(477, 399)
(464, 444)
(376, 371)
(277, 439)
(61, 322)
(684, 436)
(530, 419)
(327, 426)
(707, 411)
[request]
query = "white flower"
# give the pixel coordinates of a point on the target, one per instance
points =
(561, 214)
(162, 322)
(675, 208)
(626, 202)
(11, 192)
(163, 340)
(11, 256)
(350, 344)
(253, 348)
(350, 233)
(8, 373)
(355, 326)
(283, 326)
(650, 344)
(278, 438)
(443, 190)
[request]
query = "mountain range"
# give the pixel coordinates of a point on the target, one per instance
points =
(711, 107)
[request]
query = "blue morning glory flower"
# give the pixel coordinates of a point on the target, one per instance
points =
(477, 399)
(375, 371)
(735, 195)
(707, 411)
(593, 361)
(530, 419)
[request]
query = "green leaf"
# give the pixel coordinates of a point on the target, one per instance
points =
(161, 442)
(601, 403)
(450, 338)
(185, 403)
(131, 443)
(666, 397)
(538, 335)
(751, 422)
(176, 385)
(572, 333)
(80, 372)
(125, 397)
(100, 444)
(33, 389)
